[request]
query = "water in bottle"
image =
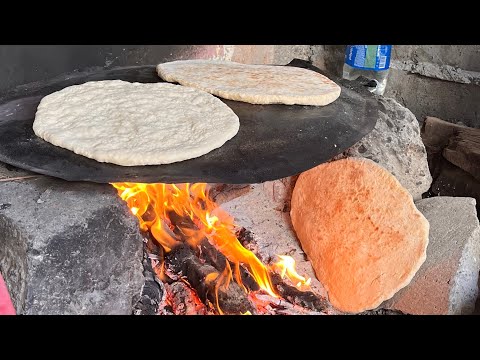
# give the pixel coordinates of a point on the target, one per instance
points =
(370, 61)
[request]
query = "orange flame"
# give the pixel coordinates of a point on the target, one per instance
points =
(155, 204)
(286, 267)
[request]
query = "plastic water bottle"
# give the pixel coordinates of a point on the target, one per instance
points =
(370, 61)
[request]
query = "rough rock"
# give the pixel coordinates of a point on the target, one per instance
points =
(447, 281)
(68, 248)
(396, 145)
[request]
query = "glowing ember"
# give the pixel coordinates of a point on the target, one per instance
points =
(286, 267)
(160, 208)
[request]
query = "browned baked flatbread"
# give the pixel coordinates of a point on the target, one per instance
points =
(360, 229)
(255, 84)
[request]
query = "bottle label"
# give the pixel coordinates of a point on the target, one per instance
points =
(370, 57)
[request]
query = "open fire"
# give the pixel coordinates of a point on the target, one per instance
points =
(184, 215)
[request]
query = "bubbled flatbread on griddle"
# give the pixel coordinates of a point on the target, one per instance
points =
(255, 84)
(132, 124)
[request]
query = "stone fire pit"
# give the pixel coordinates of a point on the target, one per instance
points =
(74, 248)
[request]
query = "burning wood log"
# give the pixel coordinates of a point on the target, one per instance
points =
(219, 261)
(209, 253)
(247, 240)
(305, 299)
(183, 300)
(301, 301)
(206, 280)
(229, 299)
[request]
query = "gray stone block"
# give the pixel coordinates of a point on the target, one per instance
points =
(446, 283)
(68, 248)
(396, 145)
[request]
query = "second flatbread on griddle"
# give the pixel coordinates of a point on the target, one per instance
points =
(255, 84)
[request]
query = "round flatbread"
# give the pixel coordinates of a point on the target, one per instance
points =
(255, 84)
(360, 229)
(132, 124)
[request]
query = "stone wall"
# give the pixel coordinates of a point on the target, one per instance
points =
(430, 80)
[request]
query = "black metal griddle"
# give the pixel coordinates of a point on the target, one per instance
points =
(274, 141)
